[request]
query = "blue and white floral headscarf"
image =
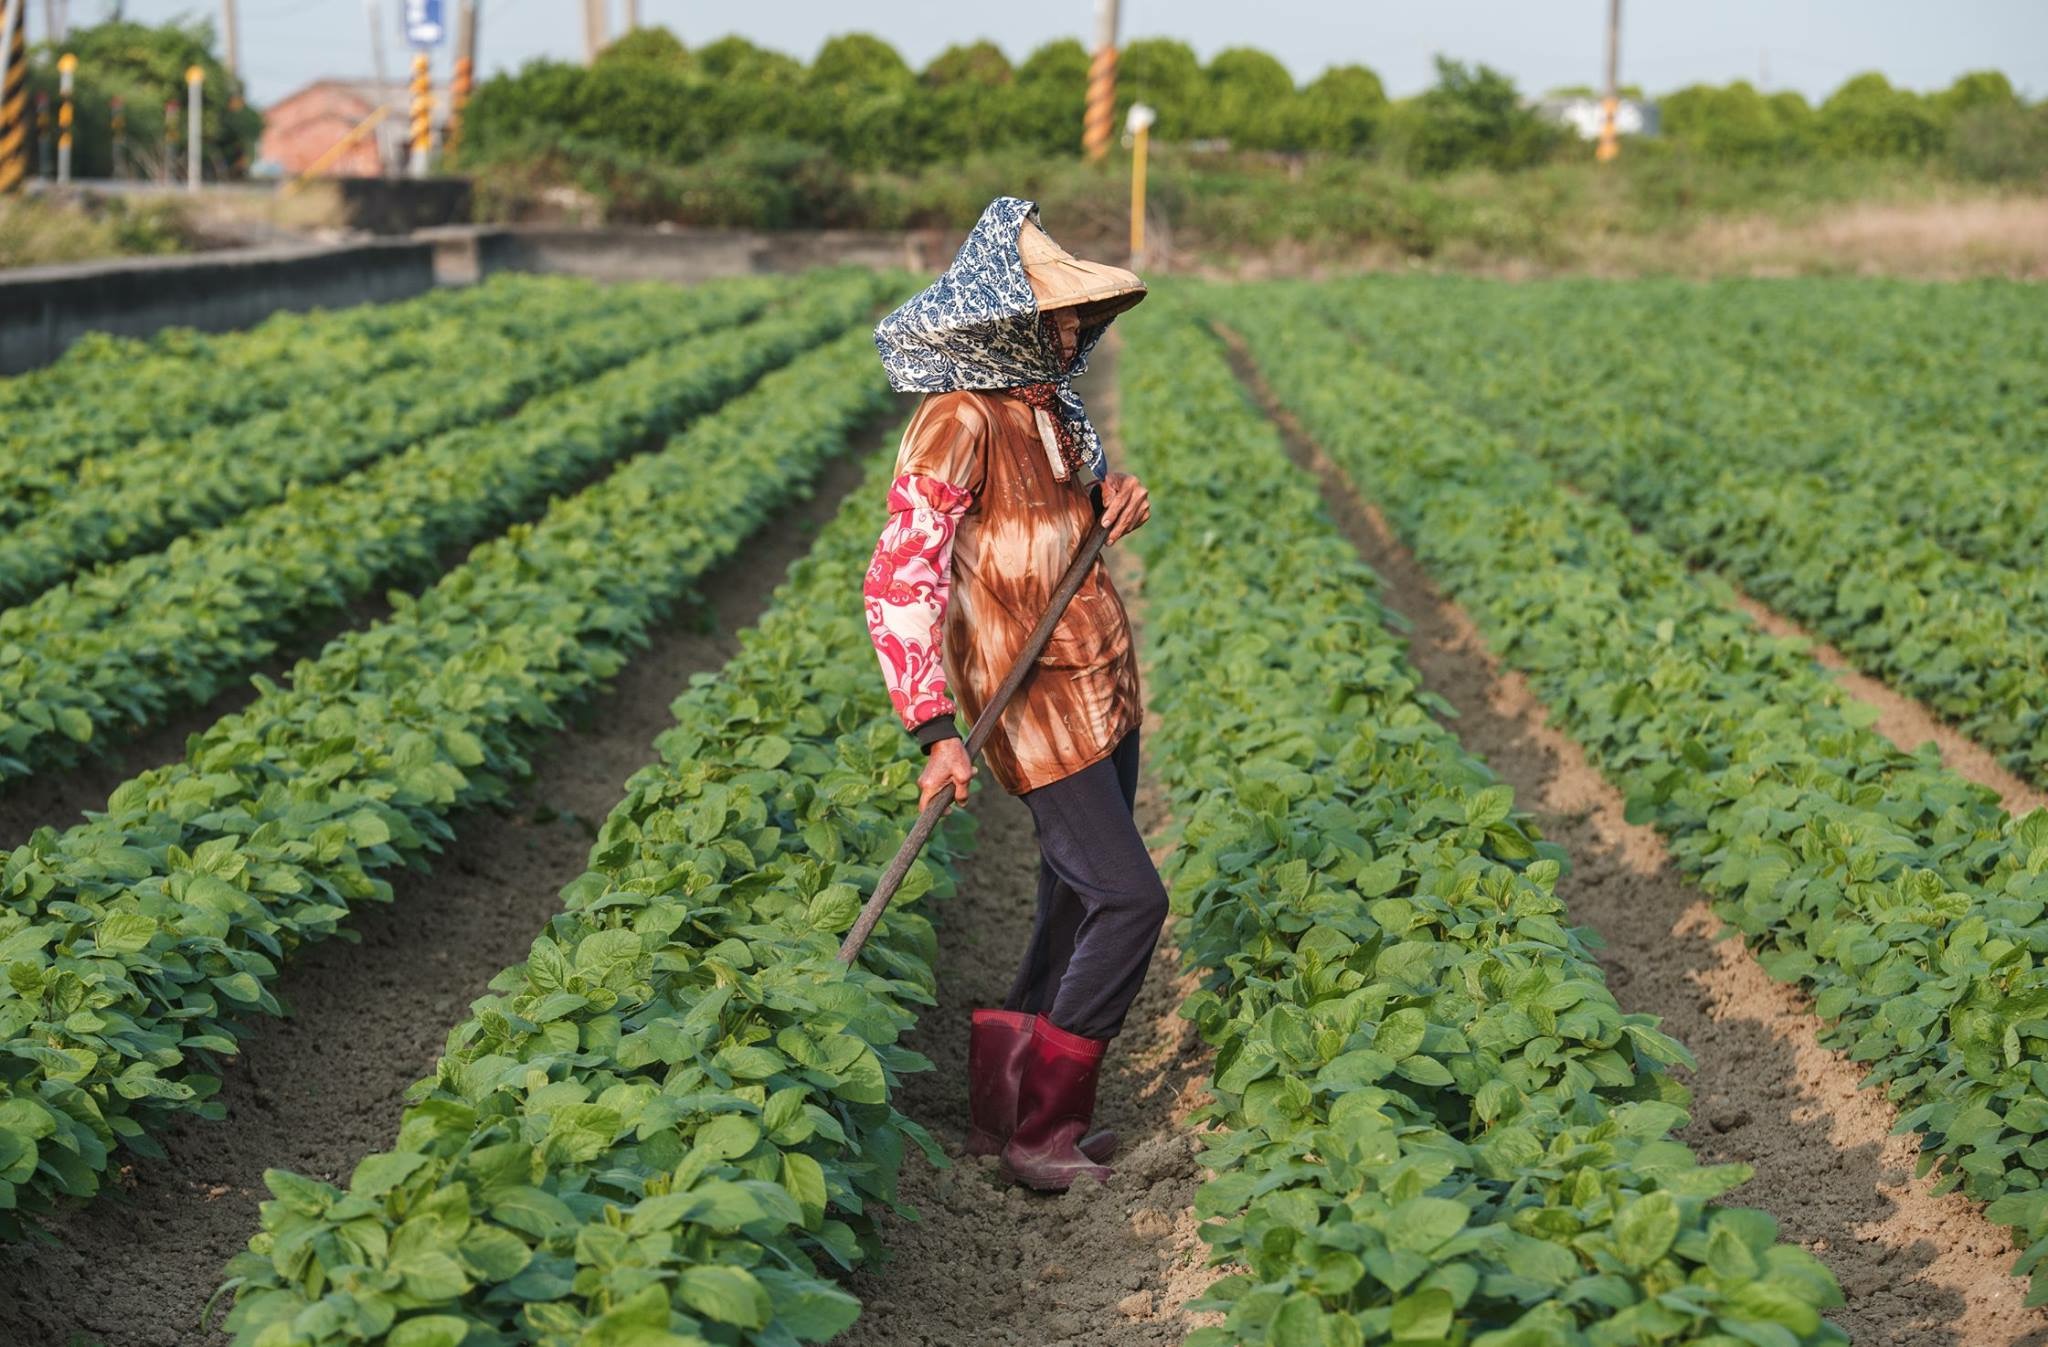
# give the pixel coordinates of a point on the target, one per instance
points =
(977, 326)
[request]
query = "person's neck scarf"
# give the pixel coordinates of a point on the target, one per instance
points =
(977, 327)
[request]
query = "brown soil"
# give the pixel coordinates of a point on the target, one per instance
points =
(998, 1266)
(1918, 1270)
(1903, 720)
(316, 1091)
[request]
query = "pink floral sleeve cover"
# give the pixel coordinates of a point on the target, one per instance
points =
(906, 590)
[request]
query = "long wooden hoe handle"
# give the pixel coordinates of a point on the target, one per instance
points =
(984, 726)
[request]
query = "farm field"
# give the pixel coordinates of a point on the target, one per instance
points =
(440, 752)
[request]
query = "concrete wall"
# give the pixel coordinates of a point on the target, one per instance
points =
(44, 309)
(683, 256)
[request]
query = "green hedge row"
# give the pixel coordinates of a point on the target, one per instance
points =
(1901, 896)
(136, 942)
(1441, 1128)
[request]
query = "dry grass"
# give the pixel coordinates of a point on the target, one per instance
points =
(1934, 240)
(40, 231)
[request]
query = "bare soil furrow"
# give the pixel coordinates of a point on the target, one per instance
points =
(317, 1090)
(992, 1265)
(1906, 721)
(1918, 1269)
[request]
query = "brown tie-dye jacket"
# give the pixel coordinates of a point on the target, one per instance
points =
(981, 528)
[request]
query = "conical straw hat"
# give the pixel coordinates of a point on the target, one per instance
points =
(1061, 281)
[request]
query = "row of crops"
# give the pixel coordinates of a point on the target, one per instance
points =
(672, 1122)
(139, 942)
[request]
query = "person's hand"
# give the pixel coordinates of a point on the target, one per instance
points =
(948, 769)
(1126, 505)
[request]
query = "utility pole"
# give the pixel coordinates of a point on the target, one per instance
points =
(375, 9)
(596, 28)
(464, 80)
(1609, 146)
(231, 37)
(632, 16)
(1101, 83)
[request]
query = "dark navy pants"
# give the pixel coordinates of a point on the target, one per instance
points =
(1100, 899)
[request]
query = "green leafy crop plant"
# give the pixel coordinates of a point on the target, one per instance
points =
(661, 1124)
(112, 651)
(150, 494)
(1900, 895)
(136, 942)
(1440, 1126)
(111, 395)
(1957, 617)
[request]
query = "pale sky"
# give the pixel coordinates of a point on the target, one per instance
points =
(1809, 45)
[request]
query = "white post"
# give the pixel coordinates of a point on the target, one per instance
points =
(375, 10)
(231, 37)
(195, 82)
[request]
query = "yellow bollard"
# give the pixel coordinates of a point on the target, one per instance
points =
(1139, 126)
(195, 152)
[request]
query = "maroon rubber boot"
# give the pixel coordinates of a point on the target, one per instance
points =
(998, 1043)
(1055, 1103)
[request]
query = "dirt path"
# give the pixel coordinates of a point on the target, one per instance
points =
(1918, 1270)
(996, 1266)
(1903, 720)
(314, 1092)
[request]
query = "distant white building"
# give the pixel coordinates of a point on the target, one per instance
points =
(1632, 116)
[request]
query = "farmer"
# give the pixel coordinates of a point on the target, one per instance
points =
(999, 480)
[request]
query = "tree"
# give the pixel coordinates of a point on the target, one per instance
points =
(859, 63)
(1472, 115)
(1735, 123)
(1052, 84)
(978, 63)
(1868, 118)
(1976, 90)
(965, 104)
(145, 66)
(653, 48)
(1166, 75)
(1341, 111)
(1250, 98)
(736, 59)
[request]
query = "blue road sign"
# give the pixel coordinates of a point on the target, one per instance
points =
(423, 26)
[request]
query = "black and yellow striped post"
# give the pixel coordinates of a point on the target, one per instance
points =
(464, 82)
(13, 96)
(67, 75)
(422, 113)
